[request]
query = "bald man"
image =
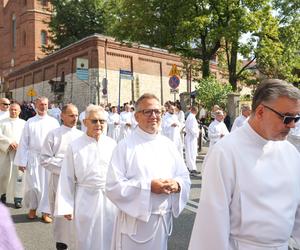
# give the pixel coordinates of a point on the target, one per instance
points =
(53, 152)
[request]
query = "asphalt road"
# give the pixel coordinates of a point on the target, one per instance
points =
(36, 235)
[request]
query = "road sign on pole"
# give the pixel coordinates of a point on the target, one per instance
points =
(125, 74)
(174, 82)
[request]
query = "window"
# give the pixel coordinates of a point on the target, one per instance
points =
(44, 38)
(14, 31)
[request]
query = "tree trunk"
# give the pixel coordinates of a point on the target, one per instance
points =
(232, 65)
(205, 68)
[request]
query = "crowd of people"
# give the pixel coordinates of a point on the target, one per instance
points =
(118, 181)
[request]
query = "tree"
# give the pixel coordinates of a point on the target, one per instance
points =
(73, 20)
(210, 92)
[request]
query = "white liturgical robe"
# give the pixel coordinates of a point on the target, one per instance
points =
(126, 118)
(294, 136)
(53, 152)
(216, 130)
(191, 141)
(11, 181)
(250, 197)
(113, 126)
(144, 221)
(81, 192)
(238, 122)
(172, 132)
(4, 115)
(28, 154)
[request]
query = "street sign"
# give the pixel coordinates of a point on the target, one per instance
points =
(125, 74)
(31, 92)
(82, 69)
(174, 91)
(174, 71)
(174, 82)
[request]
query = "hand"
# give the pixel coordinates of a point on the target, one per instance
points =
(174, 125)
(173, 186)
(68, 216)
(22, 168)
(128, 125)
(13, 146)
(159, 187)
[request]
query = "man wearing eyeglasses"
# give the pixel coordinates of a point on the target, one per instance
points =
(148, 181)
(81, 187)
(250, 197)
(4, 107)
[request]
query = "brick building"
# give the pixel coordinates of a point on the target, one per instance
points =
(23, 31)
(25, 70)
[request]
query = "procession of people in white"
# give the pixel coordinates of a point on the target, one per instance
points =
(118, 182)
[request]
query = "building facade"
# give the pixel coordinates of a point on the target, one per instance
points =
(87, 71)
(23, 32)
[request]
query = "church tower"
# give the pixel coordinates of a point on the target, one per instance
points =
(23, 32)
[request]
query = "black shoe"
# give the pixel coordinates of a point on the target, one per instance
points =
(195, 172)
(18, 204)
(3, 198)
(61, 246)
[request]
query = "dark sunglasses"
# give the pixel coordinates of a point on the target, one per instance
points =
(286, 119)
(5, 104)
(149, 112)
(95, 121)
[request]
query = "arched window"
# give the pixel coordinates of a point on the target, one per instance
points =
(14, 31)
(44, 39)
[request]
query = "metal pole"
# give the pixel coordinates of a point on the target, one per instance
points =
(119, 100)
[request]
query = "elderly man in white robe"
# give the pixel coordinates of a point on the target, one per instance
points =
(242, 118)
(171, 127)
(53, 152)
(217, 129)
(11, 178)
(250, 197)
(148, 181)
(191, 141)
(4, 106)
(81, 188)
(113, 124)
(28, 158)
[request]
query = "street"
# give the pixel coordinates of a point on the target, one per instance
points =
(36, 235)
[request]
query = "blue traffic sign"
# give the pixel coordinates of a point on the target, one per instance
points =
(174, 82)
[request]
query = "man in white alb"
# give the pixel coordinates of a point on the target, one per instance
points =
(28, 158)
(127, 122)
(171, 127)
(217, 129)
(148, 181)
(241, 119)
(113, 124)
(53, 152)
(191, 140)
(11, 178)
(4, 106)
(250, 197)
(81, 187)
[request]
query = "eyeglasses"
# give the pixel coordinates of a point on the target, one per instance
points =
(286, 119)
(149, 112)
(5, 104)
(95, 121)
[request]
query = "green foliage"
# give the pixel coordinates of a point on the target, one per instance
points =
(211, 92)
(73, 20)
